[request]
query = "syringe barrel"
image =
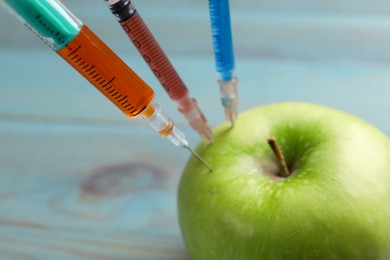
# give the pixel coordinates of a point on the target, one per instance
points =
(222, 38)
(142, 38)
(86, 53)
(94, 60)
(49, 19)
(108, 73)
(148, 47)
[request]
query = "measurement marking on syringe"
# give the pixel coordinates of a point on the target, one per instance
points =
(93, 66)
(70, 54)
(108, 83)
(96, 69)
(139, 112)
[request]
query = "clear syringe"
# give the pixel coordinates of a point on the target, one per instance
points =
(95, 61)
(136, 29)
(224, 57)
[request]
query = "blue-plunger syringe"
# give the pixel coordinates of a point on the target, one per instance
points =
(224, 57)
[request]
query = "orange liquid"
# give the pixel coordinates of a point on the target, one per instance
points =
(167, 130)
(107, 72)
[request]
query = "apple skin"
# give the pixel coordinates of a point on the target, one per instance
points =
(334, 205)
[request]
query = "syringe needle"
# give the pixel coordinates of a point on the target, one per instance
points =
(199, 158)
(162, 124)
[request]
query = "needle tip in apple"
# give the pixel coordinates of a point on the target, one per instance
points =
(199, 158)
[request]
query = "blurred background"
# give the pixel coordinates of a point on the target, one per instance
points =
(80, 180)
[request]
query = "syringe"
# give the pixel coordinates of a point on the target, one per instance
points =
(224, 57)
(94, 60)
(147, 45)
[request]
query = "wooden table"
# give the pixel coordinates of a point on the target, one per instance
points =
(78, 180)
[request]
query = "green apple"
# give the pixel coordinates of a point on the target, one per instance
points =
(334, 204)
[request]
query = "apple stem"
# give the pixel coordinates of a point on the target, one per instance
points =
(284, 172)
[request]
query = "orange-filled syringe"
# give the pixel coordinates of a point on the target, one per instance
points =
(86, 53)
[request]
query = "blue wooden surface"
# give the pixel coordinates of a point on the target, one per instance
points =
(79, 180)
